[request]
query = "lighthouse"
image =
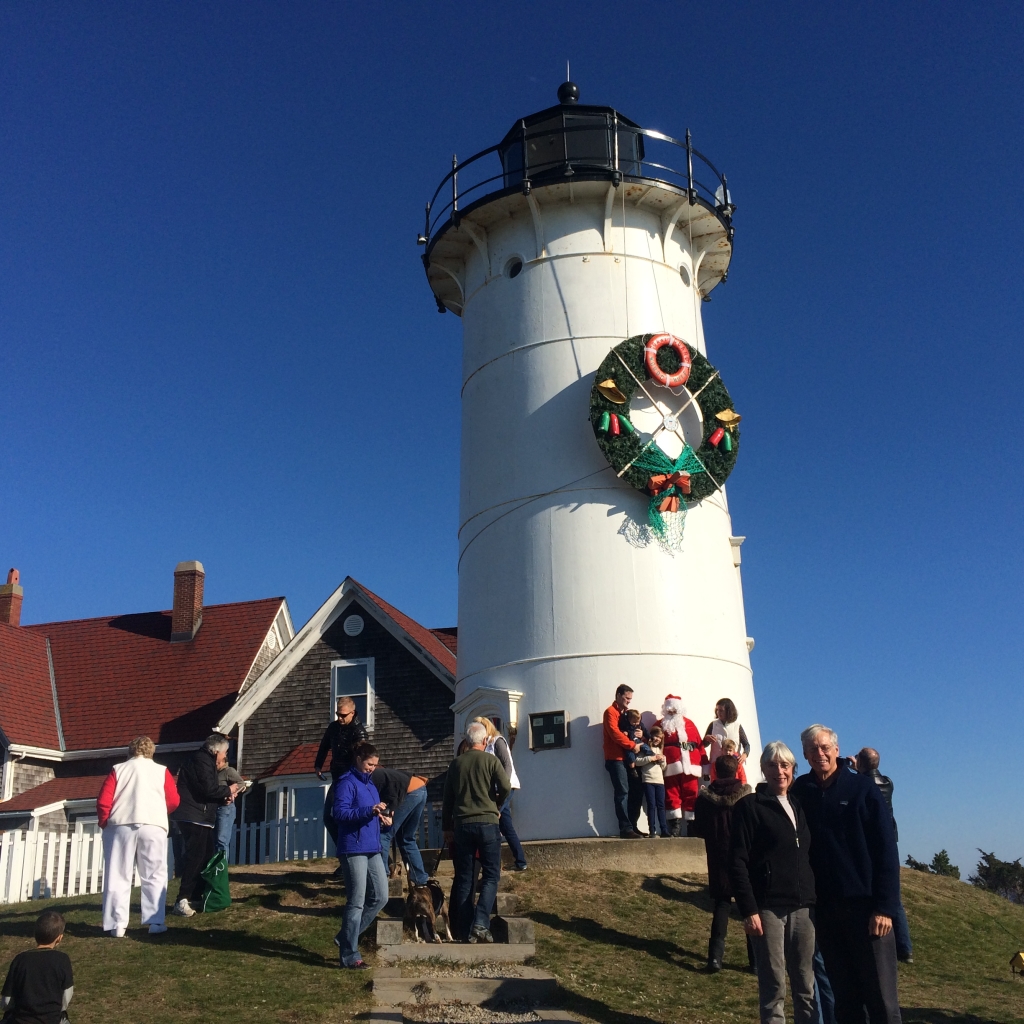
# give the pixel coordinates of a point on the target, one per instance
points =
(580, 234)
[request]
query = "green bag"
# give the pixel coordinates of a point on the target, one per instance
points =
(217, 894)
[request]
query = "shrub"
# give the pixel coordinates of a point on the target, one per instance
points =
(939, 866)
(1003, 877)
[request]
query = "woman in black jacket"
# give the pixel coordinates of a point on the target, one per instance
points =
(201, 794)
(774, 888)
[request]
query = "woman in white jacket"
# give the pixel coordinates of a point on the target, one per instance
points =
(132, 808)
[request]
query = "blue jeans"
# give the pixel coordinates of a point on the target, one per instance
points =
(403, 831)
(904, 947)
(823, 997)
(508, 830)
(471, 838)
(654, 806)
(225, 825)
(620, 787)
(366, 894)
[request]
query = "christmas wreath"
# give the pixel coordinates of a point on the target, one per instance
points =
(694, 474)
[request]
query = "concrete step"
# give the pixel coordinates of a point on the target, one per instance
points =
(396, 887)
(505, 927)
(637, 856)
(456, 952)
(512, 929)
(507, 904)
(389, 931)
(532, 986)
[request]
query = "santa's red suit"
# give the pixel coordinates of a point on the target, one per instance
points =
(684, 754)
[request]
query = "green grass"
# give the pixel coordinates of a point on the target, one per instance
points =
(626, 950)
(630, 950)
(269, 957)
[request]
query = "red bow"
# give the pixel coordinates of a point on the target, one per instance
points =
(662, 482)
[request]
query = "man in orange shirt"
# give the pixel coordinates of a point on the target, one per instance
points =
(616, 745)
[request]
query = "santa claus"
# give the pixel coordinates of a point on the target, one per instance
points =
(684, 754)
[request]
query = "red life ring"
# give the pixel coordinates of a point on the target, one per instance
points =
(654, 345)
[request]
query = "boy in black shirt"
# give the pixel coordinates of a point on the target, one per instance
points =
(39, 985)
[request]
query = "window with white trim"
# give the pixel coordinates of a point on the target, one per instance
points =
(298, 798)
(354, 678)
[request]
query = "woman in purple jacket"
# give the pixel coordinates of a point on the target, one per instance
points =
(359, 813)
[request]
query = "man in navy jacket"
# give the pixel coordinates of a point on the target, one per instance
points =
(857, 879)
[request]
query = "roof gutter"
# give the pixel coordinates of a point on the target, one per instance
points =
(22, 751)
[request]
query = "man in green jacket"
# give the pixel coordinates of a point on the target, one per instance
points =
(474, 790)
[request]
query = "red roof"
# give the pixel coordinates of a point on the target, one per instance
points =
(449, 636)
(120, 677)
(426, 638)
(26, 696)
(296, 762)
(84, 787)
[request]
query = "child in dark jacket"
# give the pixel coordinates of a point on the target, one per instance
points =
(712, 822)
(39, 984)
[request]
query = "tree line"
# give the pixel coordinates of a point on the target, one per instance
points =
(1003, 877)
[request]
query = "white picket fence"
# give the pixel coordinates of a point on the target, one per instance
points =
(267, 842)
(49, 865)
(41, 865)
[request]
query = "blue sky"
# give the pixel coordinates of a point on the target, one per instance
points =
(216, 340)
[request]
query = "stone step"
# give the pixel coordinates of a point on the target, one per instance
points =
(505, 927)
(389, 931)
(532, 986)
(456, 952)
(512, 929)
(507, 904)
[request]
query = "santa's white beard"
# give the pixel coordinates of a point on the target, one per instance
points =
(675, 724)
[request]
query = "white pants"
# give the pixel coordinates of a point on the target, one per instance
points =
(123, 845)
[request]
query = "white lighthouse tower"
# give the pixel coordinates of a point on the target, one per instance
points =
(581, 229)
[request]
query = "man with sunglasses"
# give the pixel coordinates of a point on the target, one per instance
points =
(339, 738)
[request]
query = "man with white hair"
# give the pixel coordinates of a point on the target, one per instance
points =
(201, 794)
(857, 880)
(475, 789)
(684, 752)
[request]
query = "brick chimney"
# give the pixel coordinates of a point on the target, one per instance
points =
(187, 615)
(10, 599)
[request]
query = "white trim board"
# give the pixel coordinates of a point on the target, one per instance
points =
(46, 754)
(282, 642)
(323, 618)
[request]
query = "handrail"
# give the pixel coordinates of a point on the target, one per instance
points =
(619, 167)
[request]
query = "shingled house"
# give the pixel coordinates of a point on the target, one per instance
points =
(400, 675)
(74, 694)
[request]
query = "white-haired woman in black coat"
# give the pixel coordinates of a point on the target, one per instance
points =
(774, 888)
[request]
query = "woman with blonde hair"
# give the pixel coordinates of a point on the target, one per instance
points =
(132, 809)
(498, 746)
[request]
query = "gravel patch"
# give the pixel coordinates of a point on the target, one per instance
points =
(464, 1013)
(435, 969)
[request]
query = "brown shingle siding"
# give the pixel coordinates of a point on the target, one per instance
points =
(413, 727)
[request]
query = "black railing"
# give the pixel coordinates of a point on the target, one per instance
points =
(603, 148)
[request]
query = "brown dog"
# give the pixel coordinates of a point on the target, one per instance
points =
(425, 911)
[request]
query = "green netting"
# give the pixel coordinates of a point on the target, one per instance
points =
(654, 460)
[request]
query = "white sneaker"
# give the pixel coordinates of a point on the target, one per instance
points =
(157, 929)
(182, 909)
(117, 933)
